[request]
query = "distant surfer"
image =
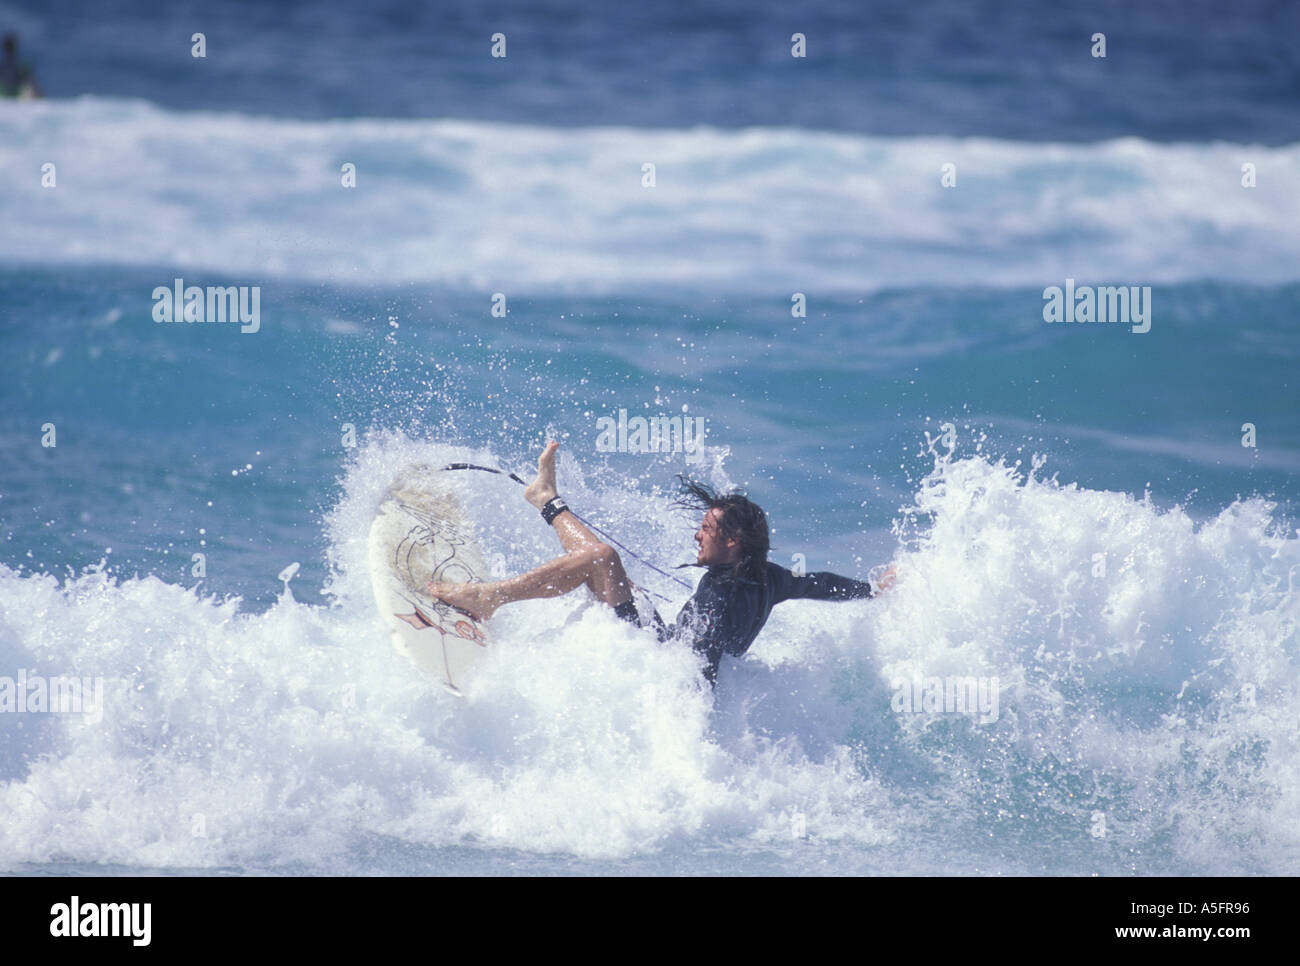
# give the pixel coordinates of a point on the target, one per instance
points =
(731, 604)
(16, 77)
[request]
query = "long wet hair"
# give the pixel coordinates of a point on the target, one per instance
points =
(741, 519)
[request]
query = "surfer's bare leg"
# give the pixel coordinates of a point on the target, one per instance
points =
(587, 561)
(596, 565)
(605, 576)
(573, 534)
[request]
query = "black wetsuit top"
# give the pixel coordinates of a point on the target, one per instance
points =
(727, 612)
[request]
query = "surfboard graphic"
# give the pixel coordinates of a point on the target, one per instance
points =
(419, 534)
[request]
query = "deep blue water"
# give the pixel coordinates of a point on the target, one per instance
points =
(1174, 71)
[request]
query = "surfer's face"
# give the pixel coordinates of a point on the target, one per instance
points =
(714, 549)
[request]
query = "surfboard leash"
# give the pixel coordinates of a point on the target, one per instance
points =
(587, 523)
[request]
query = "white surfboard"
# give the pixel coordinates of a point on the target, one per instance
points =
(418, 535)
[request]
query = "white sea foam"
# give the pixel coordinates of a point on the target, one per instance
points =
(517, 208)
(1160, 695)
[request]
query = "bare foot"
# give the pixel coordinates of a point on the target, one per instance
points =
(542, 490)
(474, 599)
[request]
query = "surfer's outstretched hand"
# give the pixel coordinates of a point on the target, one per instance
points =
(886, 580)
(542, 490)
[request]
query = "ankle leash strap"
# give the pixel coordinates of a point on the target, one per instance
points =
(553, 509)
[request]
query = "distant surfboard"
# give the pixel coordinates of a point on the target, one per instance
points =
(418, 535)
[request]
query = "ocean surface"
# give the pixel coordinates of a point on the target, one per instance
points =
(1098, 522)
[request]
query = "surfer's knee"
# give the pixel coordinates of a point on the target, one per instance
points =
(601, 556)
(602, 568)
(606, 577)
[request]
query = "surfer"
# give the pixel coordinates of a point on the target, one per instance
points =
(16, 77)
(731, 604)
